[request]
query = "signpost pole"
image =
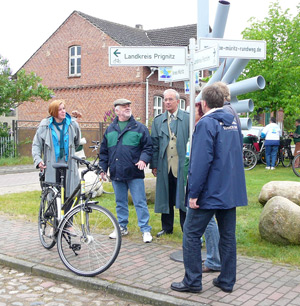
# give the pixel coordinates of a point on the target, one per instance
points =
(192, 47)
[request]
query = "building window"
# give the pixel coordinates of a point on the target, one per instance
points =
(75, 61)
(182, 104)
(158, 105)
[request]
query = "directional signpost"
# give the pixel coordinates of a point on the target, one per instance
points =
(147, 56)
(207, 58)
(249, 49)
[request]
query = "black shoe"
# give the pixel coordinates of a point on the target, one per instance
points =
(181, 287)
(216, 283)
(163, 232)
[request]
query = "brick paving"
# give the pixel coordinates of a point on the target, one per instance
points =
(142, 271)
(148, 267)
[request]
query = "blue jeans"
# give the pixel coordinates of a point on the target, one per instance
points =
(271, 155)
(137, 190)
(194, 227)
(212, 238)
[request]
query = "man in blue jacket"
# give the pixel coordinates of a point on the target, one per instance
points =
(216, 185)
(126, 149)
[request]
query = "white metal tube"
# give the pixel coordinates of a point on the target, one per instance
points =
(192, 48)
(248, 85)
(203, 18)
(220, 19)
(246, 123)
(243, 106)
(235, 70)
(217, 75)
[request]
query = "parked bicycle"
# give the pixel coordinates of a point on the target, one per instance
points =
(285, 151)
(257, 146)
(82, 235)
(250, 159)
(253, 151)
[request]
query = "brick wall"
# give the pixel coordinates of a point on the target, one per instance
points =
(99, 85)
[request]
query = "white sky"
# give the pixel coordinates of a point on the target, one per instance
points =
(26, 24)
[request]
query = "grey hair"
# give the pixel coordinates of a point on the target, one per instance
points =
(177, 96)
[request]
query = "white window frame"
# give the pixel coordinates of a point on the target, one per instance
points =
(182, 104)
(157, 107)
(75, 57)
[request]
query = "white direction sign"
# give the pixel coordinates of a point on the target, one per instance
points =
(147, 56)
(180, 73)
(249, 49)
(206, 58)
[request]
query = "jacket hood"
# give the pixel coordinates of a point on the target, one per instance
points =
(222, 116)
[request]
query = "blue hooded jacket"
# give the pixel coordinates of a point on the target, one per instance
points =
(216, 171)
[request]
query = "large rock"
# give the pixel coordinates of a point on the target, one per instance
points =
(279, 221)
(286, 189)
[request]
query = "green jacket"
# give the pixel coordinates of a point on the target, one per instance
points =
(160, 140)
(297, 139)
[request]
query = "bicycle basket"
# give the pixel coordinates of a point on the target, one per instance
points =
(285, 142)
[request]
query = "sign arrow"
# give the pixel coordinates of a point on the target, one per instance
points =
(116, 53)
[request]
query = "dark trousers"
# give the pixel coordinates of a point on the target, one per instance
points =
(167, 220)
(194, 227)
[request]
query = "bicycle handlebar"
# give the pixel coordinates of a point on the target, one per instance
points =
(89, 166)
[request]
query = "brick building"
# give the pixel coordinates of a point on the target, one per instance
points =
(73, 62)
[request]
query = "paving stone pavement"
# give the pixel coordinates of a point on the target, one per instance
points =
(144, 272)
(24, 289)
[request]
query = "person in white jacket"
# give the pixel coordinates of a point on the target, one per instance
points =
(271, 133)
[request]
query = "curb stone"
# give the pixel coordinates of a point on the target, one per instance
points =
(141, 296)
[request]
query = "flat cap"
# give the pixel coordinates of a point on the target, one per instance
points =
(121, 102)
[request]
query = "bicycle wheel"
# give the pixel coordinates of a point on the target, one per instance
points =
(296, 165)
(87, 250)
(250, 159)
(47, 219)
(286, 157)
(263, 157)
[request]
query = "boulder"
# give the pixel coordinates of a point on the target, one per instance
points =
(150, 185)
(279, 221)
(286, 189)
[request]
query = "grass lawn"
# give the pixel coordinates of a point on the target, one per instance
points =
(249, 242)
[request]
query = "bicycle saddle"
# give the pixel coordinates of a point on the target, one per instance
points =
(60, 166)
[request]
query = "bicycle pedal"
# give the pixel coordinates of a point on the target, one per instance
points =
(76, 247)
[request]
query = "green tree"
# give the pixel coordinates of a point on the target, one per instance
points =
(282, 64)
(19, 88)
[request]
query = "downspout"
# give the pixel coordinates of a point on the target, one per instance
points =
(153, 69)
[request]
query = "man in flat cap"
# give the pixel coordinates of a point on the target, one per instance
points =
(126, 149)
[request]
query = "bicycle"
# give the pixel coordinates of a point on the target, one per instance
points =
(250, 159)
(253, 151)
(82, 235)
(285, 152)
(258, 147)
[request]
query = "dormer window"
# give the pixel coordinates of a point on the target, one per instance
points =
(75, 61)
